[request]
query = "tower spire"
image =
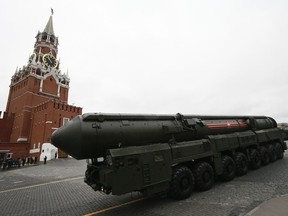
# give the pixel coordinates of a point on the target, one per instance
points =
(49, 26)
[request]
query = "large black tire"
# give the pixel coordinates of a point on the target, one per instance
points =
(204, 175)
(279, 150)
(272, 153)
(265, 159)
(255, 159)
(241, 162)
(229, 168)
(182, 184)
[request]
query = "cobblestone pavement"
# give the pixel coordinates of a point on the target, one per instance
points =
(57, 188)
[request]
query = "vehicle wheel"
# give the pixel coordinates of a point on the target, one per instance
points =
(264, 155)
(241, 162)
(204, 175)
(272, 153)
(182, 183)
(229, 168)
(255, 159)
(279, 150)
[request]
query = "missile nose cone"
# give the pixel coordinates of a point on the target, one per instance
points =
(68, 138)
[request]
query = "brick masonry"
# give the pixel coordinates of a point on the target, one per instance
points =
(37, 102)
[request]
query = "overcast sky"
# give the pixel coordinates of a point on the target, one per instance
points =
(193, 57)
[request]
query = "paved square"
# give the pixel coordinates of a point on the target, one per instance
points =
(57, 188)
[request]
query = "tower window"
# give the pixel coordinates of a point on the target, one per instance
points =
(52, 39)
(44, 37)
(38, 72)
(65, 120)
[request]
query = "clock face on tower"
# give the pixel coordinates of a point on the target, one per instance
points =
(49, 60)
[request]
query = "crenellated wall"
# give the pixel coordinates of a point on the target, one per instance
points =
(67, 107)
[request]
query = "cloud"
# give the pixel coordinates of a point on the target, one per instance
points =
(160, 56)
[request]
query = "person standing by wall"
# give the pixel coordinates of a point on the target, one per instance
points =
(45, 159)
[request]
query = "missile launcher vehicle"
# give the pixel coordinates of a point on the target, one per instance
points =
(172, 154)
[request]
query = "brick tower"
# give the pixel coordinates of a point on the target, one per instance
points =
(38, 99)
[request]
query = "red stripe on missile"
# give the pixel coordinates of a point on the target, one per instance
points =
(227, 125)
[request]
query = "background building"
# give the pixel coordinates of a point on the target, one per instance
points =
(37, 101)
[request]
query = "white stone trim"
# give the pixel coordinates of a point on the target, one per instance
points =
(22, 139)
(31, 151)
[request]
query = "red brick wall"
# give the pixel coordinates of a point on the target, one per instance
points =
(64, 94)
(19, 150)
(36, 114)
(50, 86)
(25, 95)
(6, 124)
(46, 118)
